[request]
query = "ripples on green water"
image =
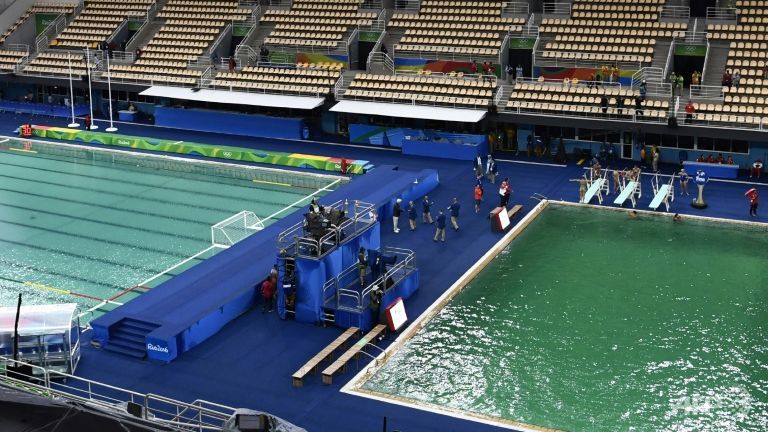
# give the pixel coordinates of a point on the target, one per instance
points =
(593, 322)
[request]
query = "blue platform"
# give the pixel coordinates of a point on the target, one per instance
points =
(229, 123)
(190, 308)
(41, 109)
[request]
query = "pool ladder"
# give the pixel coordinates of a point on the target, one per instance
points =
(538, 197)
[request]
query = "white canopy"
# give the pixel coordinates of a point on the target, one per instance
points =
(410, 111)
(38, 319)
(234, 97)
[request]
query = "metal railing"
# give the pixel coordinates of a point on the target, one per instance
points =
(207, 76)
(517, 8)
(727, 14)
(296, 242)
(695, 37)
(584, 63)
(629, 113)
(704, 67)
(356, 300)
(676, 12)
(557, 8)
(567, 82)
(714, 93)
(669, 59)
(448, 54)
(199, 415)
(15, 47)
(54, 28)
(413, 99)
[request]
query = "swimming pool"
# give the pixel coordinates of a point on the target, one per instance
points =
(83, 224)
(591, 321)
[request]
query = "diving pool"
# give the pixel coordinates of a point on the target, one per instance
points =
(591, 321)
(86, 225)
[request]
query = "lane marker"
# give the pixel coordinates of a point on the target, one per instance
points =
(271, 183)
(22, 150)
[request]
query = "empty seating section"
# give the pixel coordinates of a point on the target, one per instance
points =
(9, 59)
(582, 100)
(622, 31)
(315, 23)
(745, 103)
(455, 90)
(465, 28)
(57, 64)
(190, 27)
(46, 8)
(97, 21)
(299, 80)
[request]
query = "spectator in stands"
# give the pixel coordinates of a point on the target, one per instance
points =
(673, 81)
(701, 158)
(711, 159)
(727, 79)
(730, 160)
(765, 71)
(620, 105)
(605, 70)
(263, 54)
(604, 103)
(638, 105)
(473, 67)
(689, 110)
(680, 82)
(590, 80)
(491, 169)
(268, 294)
(615, 73)
(123, 44)
(426, 210)
(519, 71)
(384, 49)
(412, 215)
(440, 228)
(396, 210)
(643, 89)
(478, 195)
(736, 78)
(720, 158)
(137, 54)
(232, 64)
(598, 80)
(511, 74)
(695, 78)
(454, 208)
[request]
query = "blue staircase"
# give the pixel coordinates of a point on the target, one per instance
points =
(128, 337)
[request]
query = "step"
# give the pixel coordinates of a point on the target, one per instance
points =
(141, 325)
(127, 352)
(127, 344)
(129, 336)
(133, 331)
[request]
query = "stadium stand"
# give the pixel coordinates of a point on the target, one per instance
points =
(57, 64)
(465, 28)
(47, 8)
(97, 21)
(9, 59)
(300, 80)
(458, 90)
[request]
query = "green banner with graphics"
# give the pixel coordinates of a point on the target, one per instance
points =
(369, 36)
(43, 20)
(522, 43)
(240, 30)
(296, 160)
(690, 50)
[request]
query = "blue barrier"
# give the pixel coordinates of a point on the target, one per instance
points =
(229, 123)
(42, 109)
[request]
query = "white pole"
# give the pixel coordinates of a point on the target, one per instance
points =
(111, 127)
(74, 123)
(90, 91)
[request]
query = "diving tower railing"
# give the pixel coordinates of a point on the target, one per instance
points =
(355, 301)
(297, 241)
(199, 415)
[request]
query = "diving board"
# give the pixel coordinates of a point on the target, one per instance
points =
(627, 193)
(596, 188)
(664, 194)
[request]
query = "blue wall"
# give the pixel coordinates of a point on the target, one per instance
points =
(229, 123)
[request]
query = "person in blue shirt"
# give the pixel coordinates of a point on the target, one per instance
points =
(426, 212)
(454, 208)
(440, 230)
(412, 215)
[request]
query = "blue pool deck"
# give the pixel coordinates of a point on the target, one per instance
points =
(250, 361)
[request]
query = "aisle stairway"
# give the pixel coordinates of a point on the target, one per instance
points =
(128, 337)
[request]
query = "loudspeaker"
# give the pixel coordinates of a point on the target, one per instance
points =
(134, 409)
(672, 122)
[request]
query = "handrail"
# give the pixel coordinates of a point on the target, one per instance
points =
(560, 82)
(576, 111)
(717, 13)
(224, 32)
(704, 68)
(413, 99)
(669, 59)
(449, 53)
(513, 7)
(706, 92)
(15, 47)
(557, 8)
(675, 12)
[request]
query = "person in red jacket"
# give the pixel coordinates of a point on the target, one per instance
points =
(689, 110)
(268, 293)
(478, 197)
(753, 196)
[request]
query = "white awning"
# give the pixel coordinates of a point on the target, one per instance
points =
(38, 319)
(234, 97)
(410, 111)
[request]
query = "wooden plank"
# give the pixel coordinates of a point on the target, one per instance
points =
(308, 367)
(348, 354)
(517, 208)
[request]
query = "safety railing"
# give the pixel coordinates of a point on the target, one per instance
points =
(568, 82)
(413, 99)
(629, 113)
(714, 93)
(696, 37)
(212, 85)
(668, 61)
(704, 67)
(407, 6)
(294, 49)
(51, 31)
(339, 86)
(585, 63)
(716, 13)
(675, 12)
(557, 8)
(15, 47)
(445, 53)
(379, 24)
(164, 412)
(122, 57)
(515, 8)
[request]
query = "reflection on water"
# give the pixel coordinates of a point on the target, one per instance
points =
(603, 326)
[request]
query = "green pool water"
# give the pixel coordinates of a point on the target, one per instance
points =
(590, 321)
(96, 223)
